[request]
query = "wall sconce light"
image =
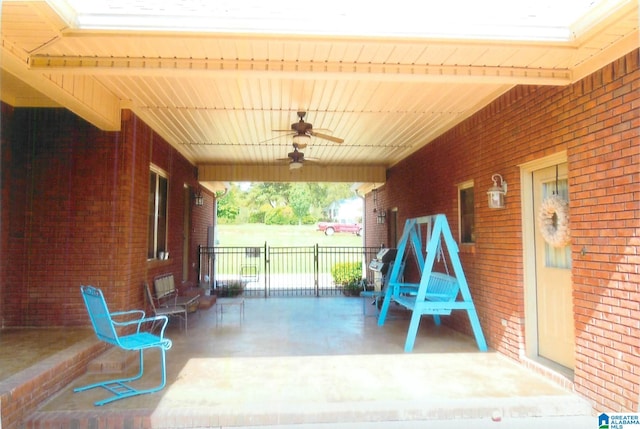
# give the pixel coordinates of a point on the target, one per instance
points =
(198, 199)
(381, 215)
(496, 193)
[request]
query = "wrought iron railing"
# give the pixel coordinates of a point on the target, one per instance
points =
(282, 271)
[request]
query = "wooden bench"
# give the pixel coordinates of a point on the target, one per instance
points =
(441, 289)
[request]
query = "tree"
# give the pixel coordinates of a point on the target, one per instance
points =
(228, 207)
(272, 193)
(300, 200)
(307, 201)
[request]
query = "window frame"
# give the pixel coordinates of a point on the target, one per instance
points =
(466, 187)
(157, 222)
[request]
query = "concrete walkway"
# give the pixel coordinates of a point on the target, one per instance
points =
(320, 362)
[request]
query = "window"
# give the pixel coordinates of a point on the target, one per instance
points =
(466, 213)
(157, 235)
(557, 257)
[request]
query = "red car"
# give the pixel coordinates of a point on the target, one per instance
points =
(330, 228)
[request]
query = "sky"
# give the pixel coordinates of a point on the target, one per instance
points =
(488, 19)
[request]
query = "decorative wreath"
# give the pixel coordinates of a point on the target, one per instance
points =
(553, 220)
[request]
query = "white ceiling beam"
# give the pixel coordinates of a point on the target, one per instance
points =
(301, 70)
(282, 173)
(618, 50)
(82, 95)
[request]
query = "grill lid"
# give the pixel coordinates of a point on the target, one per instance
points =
(386, 255)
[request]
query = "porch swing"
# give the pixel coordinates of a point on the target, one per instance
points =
(437, 293)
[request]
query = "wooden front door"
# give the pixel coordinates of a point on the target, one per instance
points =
(186, 230)
(556, 328)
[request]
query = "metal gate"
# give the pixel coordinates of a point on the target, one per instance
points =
(281, 271)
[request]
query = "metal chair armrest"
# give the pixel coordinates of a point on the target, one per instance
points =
(138, 314)
(163, 319)
(141, 313)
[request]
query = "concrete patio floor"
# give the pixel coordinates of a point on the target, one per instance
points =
(319, 362)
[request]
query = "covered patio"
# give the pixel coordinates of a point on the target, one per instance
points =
(317, 362)
(117, 145)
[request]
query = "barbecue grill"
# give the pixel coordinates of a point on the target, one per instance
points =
(380, 266)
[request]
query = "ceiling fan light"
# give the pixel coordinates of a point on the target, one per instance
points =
(301, 140)
(294, 165)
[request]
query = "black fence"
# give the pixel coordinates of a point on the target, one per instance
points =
(285, 271)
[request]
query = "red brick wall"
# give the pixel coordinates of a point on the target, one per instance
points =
(203, 216)
(376, 234)
(604, 163)
(181, 173)
(596, 120)
(75, 212)
(7, 180)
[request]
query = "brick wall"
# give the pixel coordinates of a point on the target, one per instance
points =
(22, 393)
(376, 234)
(6, 178)
(596, 121)
(203, 216)
(75, 212)
(605, 188)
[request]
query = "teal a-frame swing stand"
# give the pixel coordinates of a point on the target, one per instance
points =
(437, 293)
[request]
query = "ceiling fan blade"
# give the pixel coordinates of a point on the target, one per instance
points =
(326, 137)
(272, 138)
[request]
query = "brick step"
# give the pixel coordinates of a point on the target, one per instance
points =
(22, 393)
(207, 301)
(113, 361)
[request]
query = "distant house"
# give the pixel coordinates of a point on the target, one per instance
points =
(347, 209)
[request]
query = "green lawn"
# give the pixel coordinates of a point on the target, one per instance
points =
(255, 235)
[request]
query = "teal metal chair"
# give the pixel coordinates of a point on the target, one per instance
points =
(105, 326)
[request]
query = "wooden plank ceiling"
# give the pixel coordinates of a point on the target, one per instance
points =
(221, 97)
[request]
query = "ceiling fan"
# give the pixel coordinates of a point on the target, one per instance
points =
(304, 131)
(295, 158)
